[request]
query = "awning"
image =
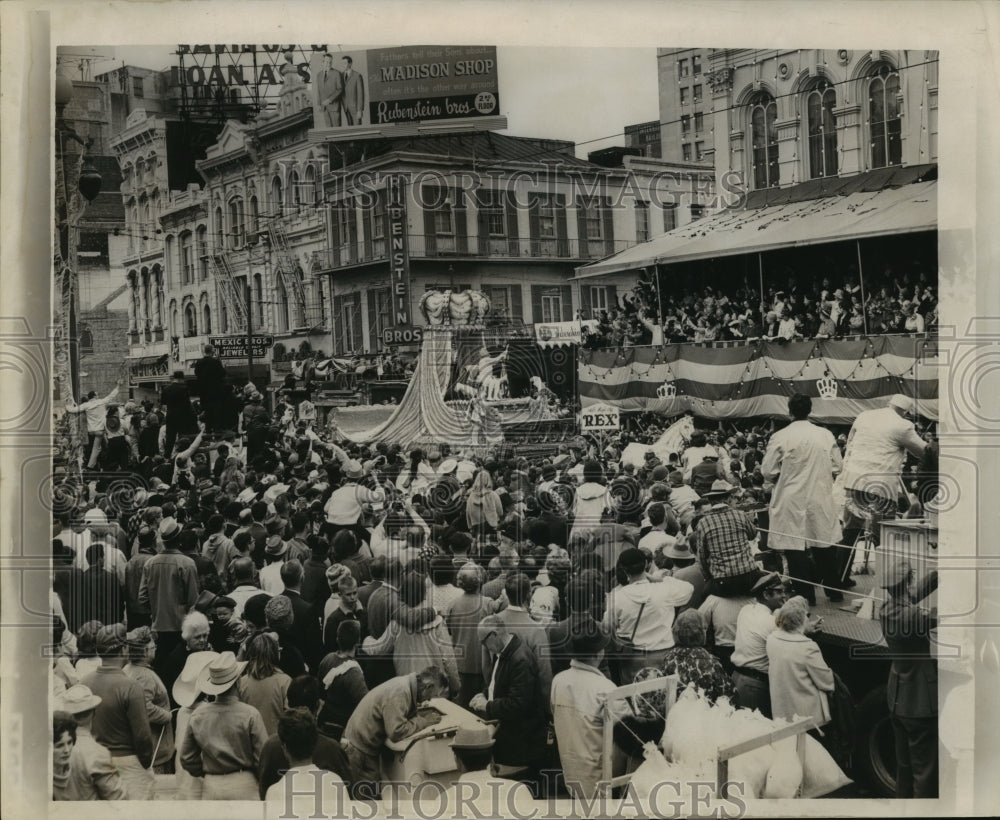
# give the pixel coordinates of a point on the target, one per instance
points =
(857, 215)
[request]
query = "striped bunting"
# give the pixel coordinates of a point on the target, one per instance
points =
(843, 377)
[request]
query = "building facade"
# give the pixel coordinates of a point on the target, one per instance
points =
(685, 104)
(646, 136)
(786, 117)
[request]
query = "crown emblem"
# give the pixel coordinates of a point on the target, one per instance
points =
(667, 390)
(827, 387)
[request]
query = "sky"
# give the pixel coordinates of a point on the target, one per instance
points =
(585, 95)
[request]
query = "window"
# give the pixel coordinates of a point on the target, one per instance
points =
(258, 298)
(593, 220)
(206, 319)
(309, 186)
(669, 216)
(294, 190)
(685, 95)
(187, 259)
(699, 123)
(444, 219)
(683, 68)
(137, 87)
(86, 340)
(237, 223)
(697, 93)
(220, 231)
(696, 64)
(223, 317)
(884, 116)
(201, 251)
(552, 305)
(641, 222)
(378, 216)
(822, 124)
(190, 321)
(686, 151)
(546, 217)
(764, 140)
(281, 308)
(685, 125)
(501, 306)
(598, 300)
(379, 316)
(697, 212)
(254, 214)
(277, 197)
(699, 151)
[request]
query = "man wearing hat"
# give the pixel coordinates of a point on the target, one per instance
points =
(518, 698)
(639, 614)
(121, 723)
(169, 587)
(211, 381)
(390, 711)
(912, 687)
(345, 507)
(473, 749)
(92, 773)
(224, 737)
(802, 460)
(578, 697)
(275, 551)
(683, 567)
(876, 451)
(180, 414)
(754, 623)
(722, 538)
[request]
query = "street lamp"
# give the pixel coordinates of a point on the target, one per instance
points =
(68, 215)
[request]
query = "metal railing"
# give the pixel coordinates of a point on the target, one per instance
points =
(445, 246)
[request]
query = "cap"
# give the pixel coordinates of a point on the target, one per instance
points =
(110, 639)
(473, 736)
(904, 403)
(769, 581)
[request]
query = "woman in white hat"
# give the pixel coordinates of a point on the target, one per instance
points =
(224, 738)
(187, 696)
(91, 774)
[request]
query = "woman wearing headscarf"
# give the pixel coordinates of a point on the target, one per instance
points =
(483, 508)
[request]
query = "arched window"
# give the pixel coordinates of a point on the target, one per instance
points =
(277, 200)
(201, 251)
(820, 102)
(146, 294)
(764, 133)
(169, 261)
(281, 308)
(158, 294)
(254, 214)
(309, 187)
(220, 232)
(885, 125)
(237, 225)
(86, 340)
(258, 299)
(206, 319)
(147, 226)
(223, 318)
(294, 190)
(190, 320)
(187, 259)
(174, 327)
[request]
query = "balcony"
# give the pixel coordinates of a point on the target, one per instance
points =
(439, 246)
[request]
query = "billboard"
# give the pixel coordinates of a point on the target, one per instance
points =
(381, 89)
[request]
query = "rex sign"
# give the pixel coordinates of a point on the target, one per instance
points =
(599, 417)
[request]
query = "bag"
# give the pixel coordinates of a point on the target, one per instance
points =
(621, 651)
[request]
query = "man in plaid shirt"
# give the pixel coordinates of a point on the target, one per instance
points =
(722, 537)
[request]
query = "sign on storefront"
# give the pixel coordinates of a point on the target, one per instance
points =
(402, 335)
(235, 347)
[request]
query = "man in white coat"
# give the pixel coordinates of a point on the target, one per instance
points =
(802, 460)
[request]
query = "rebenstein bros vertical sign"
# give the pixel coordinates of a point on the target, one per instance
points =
(385, 87)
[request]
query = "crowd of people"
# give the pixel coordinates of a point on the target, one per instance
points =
(274, 599)
(815, 309)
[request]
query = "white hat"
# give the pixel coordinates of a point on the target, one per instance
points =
(449, 465)
(77, 699)
(219, 675)
(904, 403)
(184, 689)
